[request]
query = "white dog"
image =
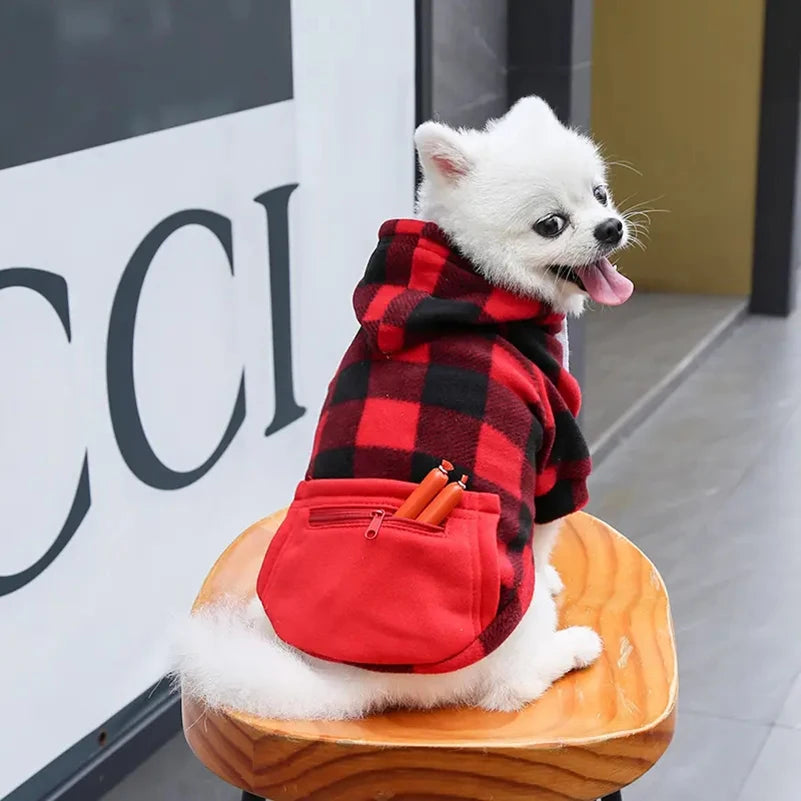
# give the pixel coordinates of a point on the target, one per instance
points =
(525, 200)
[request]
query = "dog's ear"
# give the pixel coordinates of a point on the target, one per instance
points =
(533, 111)
(443, 151)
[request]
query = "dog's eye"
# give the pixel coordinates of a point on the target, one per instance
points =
(550, 226)
(601, 195)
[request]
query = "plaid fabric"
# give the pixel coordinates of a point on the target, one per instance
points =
(447, 366)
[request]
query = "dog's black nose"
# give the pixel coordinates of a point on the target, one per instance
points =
(610, 231)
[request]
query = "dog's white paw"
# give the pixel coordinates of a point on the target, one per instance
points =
(553, 581)
(585, 644)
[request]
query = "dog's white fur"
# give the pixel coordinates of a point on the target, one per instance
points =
(485, 189)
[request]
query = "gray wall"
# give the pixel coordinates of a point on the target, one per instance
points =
(469, 61)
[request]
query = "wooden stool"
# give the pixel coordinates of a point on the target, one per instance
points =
(593, 732)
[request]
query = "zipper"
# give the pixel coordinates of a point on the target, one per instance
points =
(373, 517)
(320, 517)
(375, 524)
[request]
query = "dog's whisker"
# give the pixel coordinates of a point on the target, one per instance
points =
(626, 165)
(644, 212)
(638, 227)
(613, 159)
(626, 200)
(639, 206)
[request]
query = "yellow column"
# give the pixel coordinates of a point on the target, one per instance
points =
(676, 90)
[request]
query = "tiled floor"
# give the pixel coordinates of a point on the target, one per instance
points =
(710, 488)
(631, 348)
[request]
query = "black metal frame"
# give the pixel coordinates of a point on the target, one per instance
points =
(423, 70)
(423, 61)
(778, 185)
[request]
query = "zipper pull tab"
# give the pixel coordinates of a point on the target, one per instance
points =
(375, 524)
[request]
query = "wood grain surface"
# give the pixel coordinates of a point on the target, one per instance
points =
(593, 732)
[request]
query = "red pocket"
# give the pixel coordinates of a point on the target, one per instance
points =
(345, 581)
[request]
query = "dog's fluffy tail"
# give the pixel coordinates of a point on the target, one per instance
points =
(227, 655)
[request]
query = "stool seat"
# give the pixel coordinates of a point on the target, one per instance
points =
(593, 732)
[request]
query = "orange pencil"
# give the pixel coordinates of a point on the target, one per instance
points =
(425, 491)
(447, 500)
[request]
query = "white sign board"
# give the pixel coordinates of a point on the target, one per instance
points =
(145, 344)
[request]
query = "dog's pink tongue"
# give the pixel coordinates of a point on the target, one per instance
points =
(604, 284)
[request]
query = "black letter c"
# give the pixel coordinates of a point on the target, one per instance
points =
(125, 419)
(53, 288)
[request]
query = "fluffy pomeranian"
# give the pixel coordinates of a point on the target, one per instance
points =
(457, 357)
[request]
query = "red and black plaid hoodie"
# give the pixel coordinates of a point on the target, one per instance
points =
(447, 366)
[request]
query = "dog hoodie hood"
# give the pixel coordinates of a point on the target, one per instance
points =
(417, 284)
